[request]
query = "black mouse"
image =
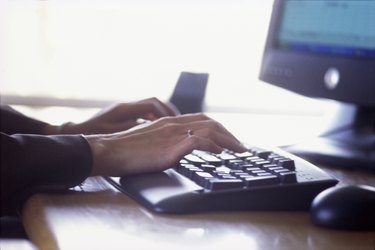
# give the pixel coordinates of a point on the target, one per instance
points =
(345, 207)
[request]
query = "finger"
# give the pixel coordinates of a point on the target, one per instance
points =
(171, 121)
(170, 108)
(173, 108)
(164, 108)
(142, 109)
(184, 119)
(201, 125)
(125, 125)
(224, 140)
(214, 131)
(208, 125)
(205, 138)
(188, 144)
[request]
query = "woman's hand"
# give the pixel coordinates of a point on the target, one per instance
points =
(117, 118)
(158, 145)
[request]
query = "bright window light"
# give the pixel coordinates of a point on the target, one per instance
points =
(124, 50)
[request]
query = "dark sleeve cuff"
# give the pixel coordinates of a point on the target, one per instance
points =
(13, 122)
(33, 163)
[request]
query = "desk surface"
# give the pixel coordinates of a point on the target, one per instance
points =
(100, 217)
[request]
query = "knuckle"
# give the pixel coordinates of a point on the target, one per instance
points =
(202, 116)
(214, 125)
(212, 133)
(170, 129)
(193, 141)
(165, 120)
(119, 105)
(207, 132)
(153, 99)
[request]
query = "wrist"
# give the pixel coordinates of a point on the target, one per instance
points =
(98, 148)
(66, 128)
(50, 130)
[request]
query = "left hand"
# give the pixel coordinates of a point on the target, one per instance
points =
(120, 117)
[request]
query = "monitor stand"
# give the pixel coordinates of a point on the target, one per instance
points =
(348, 141)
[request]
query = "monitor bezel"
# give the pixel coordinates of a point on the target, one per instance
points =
(304, 72)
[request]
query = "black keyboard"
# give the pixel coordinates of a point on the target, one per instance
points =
(259, 179)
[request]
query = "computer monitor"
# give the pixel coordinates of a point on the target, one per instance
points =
(326, 49)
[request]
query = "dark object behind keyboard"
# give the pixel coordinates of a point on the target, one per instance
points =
(255, 180)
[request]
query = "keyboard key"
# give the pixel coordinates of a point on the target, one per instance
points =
(236, 171)
(235, 163)
(211, 159)
(242, 166)
(201, 177)
(259, 164)
(287, 163)
(273, 156)
(225, 156)
(223, 169)
(194, 159)
(183, 161)
(280, 170)
(191, 171)
(275, 168)
(255, 149)
(258, 171)
(243, 155)
(277, 159)
(207, 167)
(228, 176)
(244, 176)
(252, 169)
(260, 152)
(268, 166)
(253, 159)
(184, 168)
(263, 174)
(263, 154)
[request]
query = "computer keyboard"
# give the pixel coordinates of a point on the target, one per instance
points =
(259, 179)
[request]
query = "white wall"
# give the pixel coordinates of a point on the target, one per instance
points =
(132, 49)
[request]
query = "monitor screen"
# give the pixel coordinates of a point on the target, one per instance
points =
(326, 49)
(323, 49)
(345, 28)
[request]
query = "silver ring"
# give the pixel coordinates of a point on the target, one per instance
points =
(142, 121)
(190, 132)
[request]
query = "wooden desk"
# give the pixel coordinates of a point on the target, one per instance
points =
(100, 217)
(103, 218)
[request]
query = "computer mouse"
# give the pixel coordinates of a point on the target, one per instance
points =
(345, 207)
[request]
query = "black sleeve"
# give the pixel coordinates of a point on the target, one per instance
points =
(13, 122)
(34, 163)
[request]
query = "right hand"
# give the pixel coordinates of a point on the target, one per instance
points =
(158, 145)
